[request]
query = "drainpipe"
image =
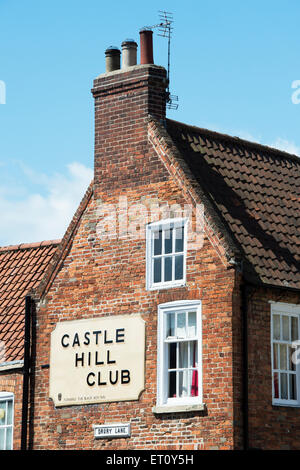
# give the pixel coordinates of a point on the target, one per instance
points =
(245, 400)
(26, 372)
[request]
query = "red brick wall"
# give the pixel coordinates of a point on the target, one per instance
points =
(107, 277)
(12, 382)
(270, 427)
(90, 285)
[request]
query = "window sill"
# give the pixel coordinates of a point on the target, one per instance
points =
(286, 405)
(178, 408)
(167, 286)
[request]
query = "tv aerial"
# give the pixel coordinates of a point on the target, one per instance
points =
(165, 29)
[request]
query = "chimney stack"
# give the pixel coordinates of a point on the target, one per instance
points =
(146, 41)
(129, 53)
(124, 99)
(112, 58)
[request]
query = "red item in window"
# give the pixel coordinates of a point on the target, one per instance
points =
(276, 390)
(194, 389)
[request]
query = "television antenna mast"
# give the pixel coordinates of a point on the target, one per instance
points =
(165, 29)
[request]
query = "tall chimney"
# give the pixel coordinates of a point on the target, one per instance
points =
(146, 41)
(129, 53)
(124, 99)
(112, 58)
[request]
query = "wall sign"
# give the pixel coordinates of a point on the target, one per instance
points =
(111, 431)
(97, 360)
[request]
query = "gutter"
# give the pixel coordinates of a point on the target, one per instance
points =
(26, 372)
(7, 366)
(274, 286)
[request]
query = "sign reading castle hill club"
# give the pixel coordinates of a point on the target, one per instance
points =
(97, 360)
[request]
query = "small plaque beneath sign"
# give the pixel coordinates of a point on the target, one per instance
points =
(108, 431)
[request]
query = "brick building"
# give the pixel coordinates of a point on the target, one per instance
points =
(22, 268)
(166, 316)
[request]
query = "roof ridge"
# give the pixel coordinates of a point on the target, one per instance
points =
(26, 246)
(239, 140)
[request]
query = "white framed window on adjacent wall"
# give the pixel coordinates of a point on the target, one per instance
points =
(6, 420)
(285, 336)
(166, 246)
(179, 359)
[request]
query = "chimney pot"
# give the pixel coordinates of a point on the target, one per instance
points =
(129, 53)
(146, 41)
(112, 58)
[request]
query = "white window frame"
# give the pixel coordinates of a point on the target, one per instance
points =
(164, 225)
(6, 397)
(162, 365)
(289, 310)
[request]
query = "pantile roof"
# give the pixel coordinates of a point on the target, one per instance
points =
(21, 269)
(256, 191)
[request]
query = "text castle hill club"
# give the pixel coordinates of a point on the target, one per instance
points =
(98, 358)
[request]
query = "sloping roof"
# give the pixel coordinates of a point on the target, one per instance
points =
(256, 191)
(21, 269)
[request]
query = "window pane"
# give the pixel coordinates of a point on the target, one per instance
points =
(283, 387)
(157, 235)
(9, 438)
(285, 328)
(172, 385)
(180, 327)
(191, 324)
(168, 269)
(2, 407)
(193, 354)
(194, 386)
(168, 240)
(183, 383)
(2, 438)
(292, 366)
(157, 270)
(293, 391)
(179, 234)
(172, 355)
(178, 267)
(9, 412)
(276, 327)
(276, 386)
(294, 328)
(171, 324)
(275, 356)
(283, 356)
(183, 355)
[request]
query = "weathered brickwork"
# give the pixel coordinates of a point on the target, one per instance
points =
(90, 285)
(99, 270)
(105, 276)
(12, 382)
(270, 427)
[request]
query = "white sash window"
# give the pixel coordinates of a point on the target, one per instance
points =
(166, 253)
(179, 353)
(6, 420)
(285, 335)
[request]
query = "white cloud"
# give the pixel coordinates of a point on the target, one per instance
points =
(44, 214)
(286, 146)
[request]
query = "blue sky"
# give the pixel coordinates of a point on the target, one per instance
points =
(232, 65)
